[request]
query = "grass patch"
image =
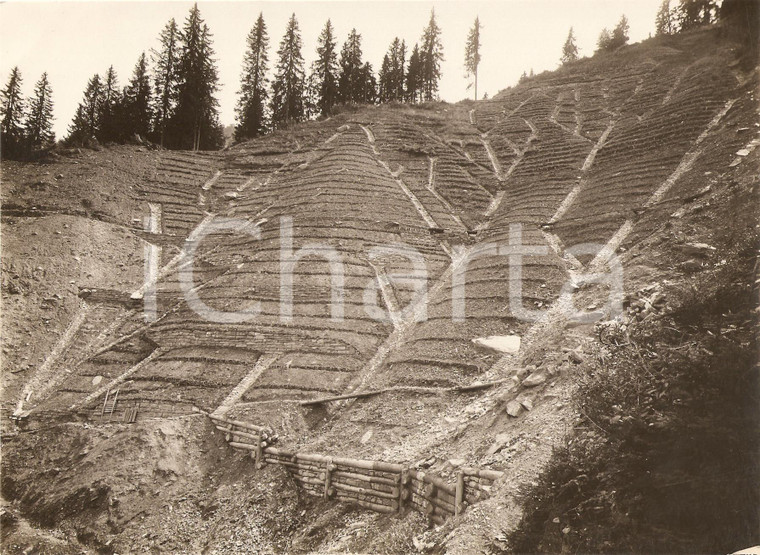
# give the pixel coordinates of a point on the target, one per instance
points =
(666, 457)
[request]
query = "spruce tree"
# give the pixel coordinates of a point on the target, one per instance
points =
(368, 87)
(39, 122)
(399, 70)
(165, 78)
(414, 76)
(395, 71)
(12, 111)
(251, 107)
(194, 124)
(108, 110)
(620, 33)
(472, 53)
(664, 20)
(135, 116)
(604, 42)
(431, 56)
(289, 83)
(386, 89)
(351, 81)
(569, 50)
(325, 70)
(85, 125)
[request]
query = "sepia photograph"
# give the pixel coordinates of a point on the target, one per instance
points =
(380, 277)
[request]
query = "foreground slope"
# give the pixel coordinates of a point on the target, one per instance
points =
(610, 151)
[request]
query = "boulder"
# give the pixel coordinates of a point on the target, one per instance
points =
(507, 344)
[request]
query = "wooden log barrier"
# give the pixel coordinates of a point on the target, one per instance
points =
(376, 485)
(459, 498)
(365, 491)
(366, 478)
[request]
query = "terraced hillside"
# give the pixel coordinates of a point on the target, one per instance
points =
(360, 253)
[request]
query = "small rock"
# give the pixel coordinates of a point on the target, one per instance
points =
(575, 357)
(697, 249)
(566, 530)
(514, 408)
(366, 437)
(555, 520)
(691, 265)
(508, 344)
(527, 404)
(743, 152)
(536, 378)
(456, 462)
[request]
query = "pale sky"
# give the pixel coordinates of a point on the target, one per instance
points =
(74, 40)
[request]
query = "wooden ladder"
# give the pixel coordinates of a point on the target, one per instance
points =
(109, 404)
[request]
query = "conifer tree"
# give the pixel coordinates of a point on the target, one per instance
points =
(569, 50)
(194, 124)
(289, 83)
(399, 69)
(165, 78)
(324, 72)
(251, 107)
(108, 110)
(664, 20)
(472, 53)
(620, 33)
(604, 42)
(368, 87)
(414, 76)
(385, 89)
(431, 56)
(135, 114)
(39, 122)
(85, 125)
(351, 81)
(12, 111)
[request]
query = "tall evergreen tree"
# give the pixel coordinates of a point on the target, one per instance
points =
(664, 20)
(85, 125)
(325, 71)
(289, 83)
(399, 70)
(431, 56)
(472, 53)
(396, 69)
(414, 76)
(194, 124)
(368, 87)
(12, 112)
(108, 110)
(135, 114)
(620, 33)
(569, 50)
(351, 81)
(165, 78)
(251, 107)
(604, 42)
(39, 122)
(385, 89)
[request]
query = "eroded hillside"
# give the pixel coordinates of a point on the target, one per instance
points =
(633, 152)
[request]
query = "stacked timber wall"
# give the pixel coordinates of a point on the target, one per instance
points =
(376, 485)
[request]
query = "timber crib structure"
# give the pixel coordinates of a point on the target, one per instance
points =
(376, 485)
